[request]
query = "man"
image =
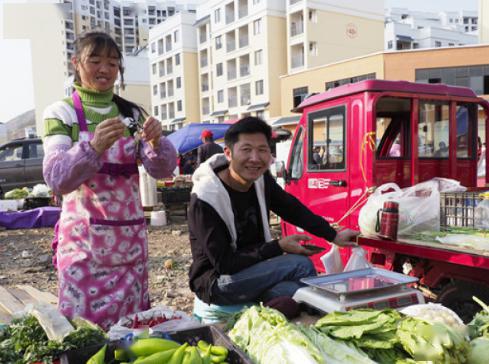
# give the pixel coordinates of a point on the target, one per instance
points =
(209, 148)
(235, 259)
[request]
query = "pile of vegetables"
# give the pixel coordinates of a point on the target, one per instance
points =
(479, 335)
(17, 194)
(357, 336)
(162, 351)
(267, 337)
(25, 341)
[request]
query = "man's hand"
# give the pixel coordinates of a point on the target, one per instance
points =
(106, 134)
(290, 244)
(346, 237)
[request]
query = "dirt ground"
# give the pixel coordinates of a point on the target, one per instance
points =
(25, 258)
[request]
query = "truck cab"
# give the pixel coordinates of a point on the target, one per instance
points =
(356, 137)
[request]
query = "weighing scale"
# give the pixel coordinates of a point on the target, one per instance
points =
(364, 288)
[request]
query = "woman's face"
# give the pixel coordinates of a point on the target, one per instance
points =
(97, 72)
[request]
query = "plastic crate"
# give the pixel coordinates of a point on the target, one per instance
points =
(175, 195)
(214, 336)
(457, 208)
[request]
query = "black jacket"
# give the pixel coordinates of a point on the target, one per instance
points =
(210, 239)
(207, 150)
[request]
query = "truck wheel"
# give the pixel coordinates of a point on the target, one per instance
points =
(458, 297)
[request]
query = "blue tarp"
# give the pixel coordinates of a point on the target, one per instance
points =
(188, 137)
(35, 218)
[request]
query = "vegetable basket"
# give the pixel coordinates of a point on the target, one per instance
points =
(214, 336)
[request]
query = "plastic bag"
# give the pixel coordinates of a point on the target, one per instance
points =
(465, 240)
(358, 260)
(138, 323)
(419, 208)
(367, 218)
(332, 261)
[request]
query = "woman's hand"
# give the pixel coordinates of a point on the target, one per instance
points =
(290, 244)
(152, 132)
(106, 134)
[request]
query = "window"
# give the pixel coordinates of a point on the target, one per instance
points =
(433, 129)
(466, 119)
(437, 43)
(176, 36)
(259, 87)
(260, 114)
(218, 42)
(217, 15)
(258, 57)
(313, 16)
(299, 95)
(297, 163)
(153, 47)
(220, 96)
(245, 97)
(344, 81)
(36, 150)
(257, 26)
(179, 82)
(390, 44)
(392, 133)
(161, 65)
(11, 153)
(177, 59)
(179, 105)
(155, 111)
(155, 89)
(153, 68)
(313, 48)
(256, 2)
(326, 146)
(219, 70)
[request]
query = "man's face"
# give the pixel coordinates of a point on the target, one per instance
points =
(250, 157)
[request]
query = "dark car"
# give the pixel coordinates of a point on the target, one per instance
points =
(20, 164)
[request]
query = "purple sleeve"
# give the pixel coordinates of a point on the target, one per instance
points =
(160, 163)
(66, 168)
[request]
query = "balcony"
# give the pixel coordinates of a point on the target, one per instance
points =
(231, 68)
(230, 41)
(203, 59)
(242, 8)
(229, 10)
(244, 65)
(243, 36)
(297, 56)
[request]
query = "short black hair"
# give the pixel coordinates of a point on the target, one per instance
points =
(247, 125)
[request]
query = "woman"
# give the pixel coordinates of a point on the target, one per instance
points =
(91, 159)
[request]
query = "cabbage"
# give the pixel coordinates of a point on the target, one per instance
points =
(479, 351)
(267, 337)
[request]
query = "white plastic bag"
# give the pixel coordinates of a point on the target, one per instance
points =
(332, 261)
(419, 209)
(419, 206)
(358, 260)
(175, 320)
(367, 218)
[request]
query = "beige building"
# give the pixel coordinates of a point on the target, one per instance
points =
(462, 66)
(173, 71)
(321, 32)
(483, 21)
(49, 62)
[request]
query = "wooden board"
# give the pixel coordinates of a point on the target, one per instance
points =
(14, 299)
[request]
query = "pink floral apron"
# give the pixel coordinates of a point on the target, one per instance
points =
(102, 253)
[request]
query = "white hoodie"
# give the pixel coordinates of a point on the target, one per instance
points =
(209, 188)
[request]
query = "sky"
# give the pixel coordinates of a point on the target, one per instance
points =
(16, 91)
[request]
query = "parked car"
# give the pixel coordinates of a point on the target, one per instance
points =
(20, 164)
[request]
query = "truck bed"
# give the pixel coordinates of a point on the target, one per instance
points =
(431, 250)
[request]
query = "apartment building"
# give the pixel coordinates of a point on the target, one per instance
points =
(174, 71)
(406, 29)
(322, 31)
(483, 26)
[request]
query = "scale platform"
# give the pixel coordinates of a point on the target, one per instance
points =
(365, 288)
